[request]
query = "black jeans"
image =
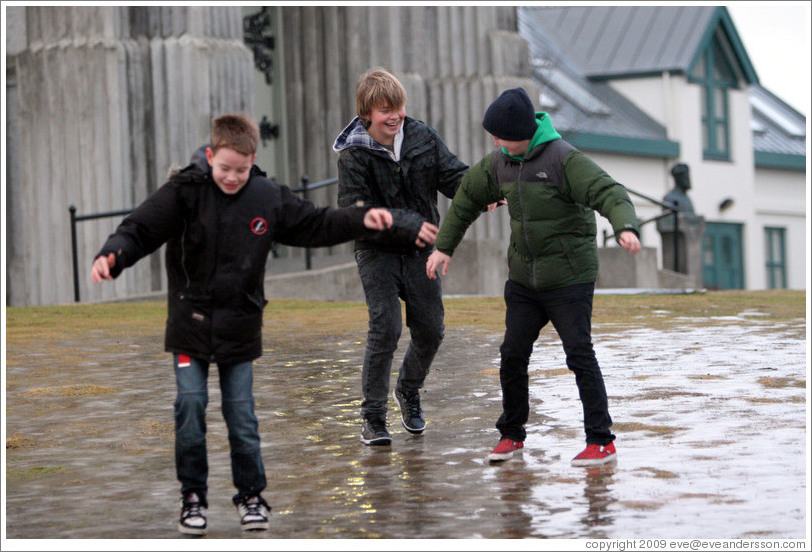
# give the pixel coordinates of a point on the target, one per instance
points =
(570, 310)
(387, 278)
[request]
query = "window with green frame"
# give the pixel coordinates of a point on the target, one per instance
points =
(775, 255)
(716, 75)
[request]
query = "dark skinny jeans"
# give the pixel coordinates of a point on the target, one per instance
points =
(387, 278)
(570, 310)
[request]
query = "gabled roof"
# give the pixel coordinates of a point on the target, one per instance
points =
(590, 115)
(575, 52)
(608, 42)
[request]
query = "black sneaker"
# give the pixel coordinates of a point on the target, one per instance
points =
(192, 515)
(254, 513)
(410, 412)
(373, 432)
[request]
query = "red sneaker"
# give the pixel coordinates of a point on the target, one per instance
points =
(504, 450)
(595, 455)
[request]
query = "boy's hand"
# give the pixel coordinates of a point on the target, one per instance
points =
(492, 207)
(378, 219)
(428, 233)
(629, 242)
(437, 260)
(101, 268)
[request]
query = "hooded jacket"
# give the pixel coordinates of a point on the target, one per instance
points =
(552, 194)
(405, 181)
(216, 249)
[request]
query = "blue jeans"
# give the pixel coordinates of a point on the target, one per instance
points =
(570, 310)
(387, 278)
(236, 381)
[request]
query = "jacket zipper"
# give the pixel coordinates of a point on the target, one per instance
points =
(524, 224)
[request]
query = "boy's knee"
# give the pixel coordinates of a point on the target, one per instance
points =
(191, 402)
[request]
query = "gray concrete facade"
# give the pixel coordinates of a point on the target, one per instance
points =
(103, 100)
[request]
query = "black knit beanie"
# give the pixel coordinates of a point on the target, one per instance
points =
(511, 116)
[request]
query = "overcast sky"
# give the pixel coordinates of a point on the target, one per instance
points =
(776, 36)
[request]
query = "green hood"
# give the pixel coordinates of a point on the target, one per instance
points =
(544, 133)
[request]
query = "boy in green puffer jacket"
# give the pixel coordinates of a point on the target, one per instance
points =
(552, 191)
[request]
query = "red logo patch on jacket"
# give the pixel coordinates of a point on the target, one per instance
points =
(259, 226)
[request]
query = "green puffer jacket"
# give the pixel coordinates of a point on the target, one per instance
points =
(552, 195)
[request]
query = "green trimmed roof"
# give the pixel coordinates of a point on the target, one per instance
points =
(577, 51)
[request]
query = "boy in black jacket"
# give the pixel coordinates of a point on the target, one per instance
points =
(219, 217)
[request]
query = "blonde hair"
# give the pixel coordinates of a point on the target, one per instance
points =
(376, 87)
(234, 131)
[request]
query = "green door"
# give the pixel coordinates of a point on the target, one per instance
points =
(722, 257)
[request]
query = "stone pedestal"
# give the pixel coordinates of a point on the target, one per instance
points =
(687, 258)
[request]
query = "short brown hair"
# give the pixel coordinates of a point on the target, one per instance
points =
(377, 87)
(235, 131)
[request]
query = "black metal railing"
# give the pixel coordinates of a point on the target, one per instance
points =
(75, 219)
(304, 189)
(670, 210)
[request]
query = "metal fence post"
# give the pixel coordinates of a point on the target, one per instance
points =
(308, 255)
(74, 253)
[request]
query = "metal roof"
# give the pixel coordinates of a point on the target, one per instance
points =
(576, 51)
(777, 128)
(617, 41)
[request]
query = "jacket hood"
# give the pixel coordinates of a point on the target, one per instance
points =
(355, 135)
(544, 133)
(199, 160)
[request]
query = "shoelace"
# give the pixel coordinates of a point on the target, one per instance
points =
(413, 406)
(252, 507)
(191, 509)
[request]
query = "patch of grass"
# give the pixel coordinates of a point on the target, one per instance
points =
(28, 474)
(641, 505)
(69, 391)
(707, 377)
(660, 474)
(772, 306)
(156, 429)
(765, 400)
(329, 318)
(660, 394)
(781, 382)
(654, 430)
(18, 441)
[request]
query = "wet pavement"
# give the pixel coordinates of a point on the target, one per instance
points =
(711, 426)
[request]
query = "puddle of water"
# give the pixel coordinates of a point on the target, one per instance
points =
(699, 456)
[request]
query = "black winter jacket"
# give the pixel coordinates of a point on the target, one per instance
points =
(217, 247)
(369, 175)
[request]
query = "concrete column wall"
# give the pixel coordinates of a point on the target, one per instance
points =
(107, 98)
(453, 61)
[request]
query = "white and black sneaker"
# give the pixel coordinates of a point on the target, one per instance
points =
(411, 414)
(373, 432)
(254, 513)
(192, 515)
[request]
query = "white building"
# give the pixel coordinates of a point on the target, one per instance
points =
(676, 85)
